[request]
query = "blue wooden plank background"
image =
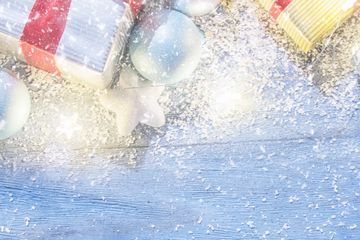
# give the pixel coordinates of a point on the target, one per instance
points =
(285, 167)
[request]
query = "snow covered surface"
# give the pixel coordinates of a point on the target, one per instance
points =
(263, 142)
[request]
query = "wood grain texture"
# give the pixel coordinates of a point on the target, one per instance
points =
(291, 188)
(291, 171)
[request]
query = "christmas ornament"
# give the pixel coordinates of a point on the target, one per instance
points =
(83, 40)
(134, 102)
(80, 40)
(14, 105)
(165, 47)
(195, 7)
(307, 22)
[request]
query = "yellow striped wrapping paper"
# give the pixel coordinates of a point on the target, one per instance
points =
(309, 21)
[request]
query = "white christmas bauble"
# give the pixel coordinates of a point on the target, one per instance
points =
(14, 104)
(165, 47)
(195, 7)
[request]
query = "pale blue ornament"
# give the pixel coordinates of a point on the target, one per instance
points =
(14, 105)
(165, 47)
(195, 7)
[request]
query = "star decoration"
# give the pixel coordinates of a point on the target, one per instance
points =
(134, 102)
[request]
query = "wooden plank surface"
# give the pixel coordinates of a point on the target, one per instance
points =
(244, 190)
(285, 166)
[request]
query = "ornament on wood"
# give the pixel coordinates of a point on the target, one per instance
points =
(134, 102)
(14, 104)
(165, 47)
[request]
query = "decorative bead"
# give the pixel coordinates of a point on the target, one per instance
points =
(165, 47)
(14, 104)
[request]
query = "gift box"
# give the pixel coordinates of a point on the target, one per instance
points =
(309, 21)
(81, 40)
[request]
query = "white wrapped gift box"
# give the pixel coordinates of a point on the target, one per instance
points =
(81, 40)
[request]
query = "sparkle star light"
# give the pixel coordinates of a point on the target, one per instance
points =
(68, 125)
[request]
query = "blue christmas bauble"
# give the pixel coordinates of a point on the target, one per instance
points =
(14, 104)
(195, 7)
(165, 47)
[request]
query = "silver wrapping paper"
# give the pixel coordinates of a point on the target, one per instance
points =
(94, 38)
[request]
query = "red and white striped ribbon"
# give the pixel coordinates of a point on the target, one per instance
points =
(44, 29)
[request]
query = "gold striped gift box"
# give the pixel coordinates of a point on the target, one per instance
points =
(309, 21)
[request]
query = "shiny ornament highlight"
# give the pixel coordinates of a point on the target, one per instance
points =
(165, 47)
(195, 7)
(14, 105)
